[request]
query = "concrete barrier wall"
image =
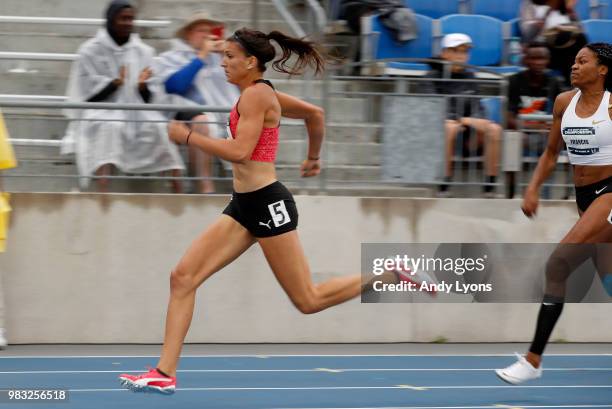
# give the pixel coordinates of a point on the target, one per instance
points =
(87, 268)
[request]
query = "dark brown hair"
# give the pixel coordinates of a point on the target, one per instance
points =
(257, 44)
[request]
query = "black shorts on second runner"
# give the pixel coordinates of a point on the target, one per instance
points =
(585, 195)
(265, 212)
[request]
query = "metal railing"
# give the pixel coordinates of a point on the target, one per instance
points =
(53, 158)
(470, 162)
(291, 21)
(534, 129)
(44, 156)
(318, 16)
(317, 20)
(467, 165)
(78, 21)
(20, 103)
(29, 56)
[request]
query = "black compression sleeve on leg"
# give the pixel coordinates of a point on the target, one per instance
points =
(547, 318)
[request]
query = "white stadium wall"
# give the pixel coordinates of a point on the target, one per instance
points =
(87, 268)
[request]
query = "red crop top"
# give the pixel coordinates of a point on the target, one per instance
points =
(267, 145)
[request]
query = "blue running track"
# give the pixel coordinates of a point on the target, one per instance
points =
(321, 381)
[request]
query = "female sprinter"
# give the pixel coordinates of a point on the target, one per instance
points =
(582, 118)
(261, 209)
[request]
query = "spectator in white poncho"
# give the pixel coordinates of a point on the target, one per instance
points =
(191, 73)
(114, 66)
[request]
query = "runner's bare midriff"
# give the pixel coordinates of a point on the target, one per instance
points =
(253, 175)
(586, 175)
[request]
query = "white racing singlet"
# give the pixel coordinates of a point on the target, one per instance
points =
(588, 140)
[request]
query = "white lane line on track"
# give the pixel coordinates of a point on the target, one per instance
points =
(472, 407)
(373, 387)
(330, 370)
(259, 356)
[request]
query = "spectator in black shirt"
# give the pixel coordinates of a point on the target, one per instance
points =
(534, 90)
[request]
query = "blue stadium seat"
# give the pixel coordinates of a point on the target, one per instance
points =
(607, 10)
(598, 30)
(503, 70)
(583, 9)
(486, 33)
(433, 8)
(504, 10)
(515, 27)
(386, 47)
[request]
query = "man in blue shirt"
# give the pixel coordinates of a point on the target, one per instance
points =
(191, 73)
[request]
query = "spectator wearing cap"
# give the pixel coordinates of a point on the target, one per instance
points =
(463, 114)
(191, 73)
(115, 67)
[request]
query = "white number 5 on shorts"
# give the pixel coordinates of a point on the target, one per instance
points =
(279, 214)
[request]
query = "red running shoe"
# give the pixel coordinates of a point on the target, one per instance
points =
(151, 381)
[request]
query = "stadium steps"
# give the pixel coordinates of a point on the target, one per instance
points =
(67, 38)
(146, 9)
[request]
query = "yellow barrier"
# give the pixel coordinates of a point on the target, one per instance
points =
(7, 160)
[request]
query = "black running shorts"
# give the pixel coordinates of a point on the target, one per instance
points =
(585, 195)
(265, 212)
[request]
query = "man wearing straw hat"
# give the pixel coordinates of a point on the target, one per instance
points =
(191, 73)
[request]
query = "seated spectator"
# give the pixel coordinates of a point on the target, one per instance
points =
(114, 66)
(191, 73)
(464, 114)
(555, 23)
(534, 90)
